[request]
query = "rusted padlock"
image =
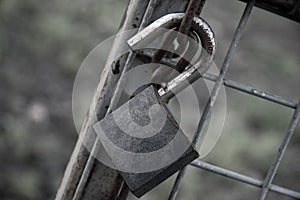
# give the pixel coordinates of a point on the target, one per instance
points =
(141, 137)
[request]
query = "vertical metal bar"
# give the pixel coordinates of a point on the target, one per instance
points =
(236, 38)
(278, 157)
(124, 192)
(128, 65)
(219, 82)
(114, 102)
(176, 185)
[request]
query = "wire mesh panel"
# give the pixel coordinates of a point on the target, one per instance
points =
(266, 185)
(77, 189)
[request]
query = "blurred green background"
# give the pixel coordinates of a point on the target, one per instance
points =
(42, 44)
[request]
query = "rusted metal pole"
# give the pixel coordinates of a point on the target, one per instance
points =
(100, 173)
(104, 183)
(113, 103)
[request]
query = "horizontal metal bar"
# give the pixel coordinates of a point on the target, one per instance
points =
(253, 91)
(243, 178)
(286, 8)
(236, 85)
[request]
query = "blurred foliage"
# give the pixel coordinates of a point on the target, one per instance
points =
(42, 44)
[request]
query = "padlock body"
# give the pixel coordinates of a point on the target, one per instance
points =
(144, 142)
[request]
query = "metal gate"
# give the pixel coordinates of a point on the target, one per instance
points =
(77, 172)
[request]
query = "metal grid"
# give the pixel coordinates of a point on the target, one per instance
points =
(265, 184)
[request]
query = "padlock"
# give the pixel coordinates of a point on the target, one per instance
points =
(141, 137)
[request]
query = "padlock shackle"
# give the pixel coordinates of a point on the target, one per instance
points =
(169, 21)
(173, 20)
